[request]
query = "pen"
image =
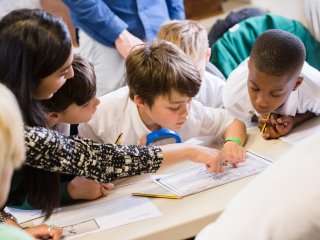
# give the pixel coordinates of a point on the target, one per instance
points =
(118, 138)
(264, 126)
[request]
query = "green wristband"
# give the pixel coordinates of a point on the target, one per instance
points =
(233, 139)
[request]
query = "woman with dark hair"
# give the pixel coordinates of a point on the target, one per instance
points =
(35, 59)
(36, 56)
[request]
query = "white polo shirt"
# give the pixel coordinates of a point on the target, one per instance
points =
(282, 203)
(210, 93)
(117, 113)
(306, 98)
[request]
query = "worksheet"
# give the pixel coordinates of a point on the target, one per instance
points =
(26, 215)
(103, 215)
(197, 178)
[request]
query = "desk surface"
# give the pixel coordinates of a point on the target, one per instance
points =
(185, 217)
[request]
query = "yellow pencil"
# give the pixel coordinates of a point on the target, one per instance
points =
(264, 126)
(118, 138)
(156, 195)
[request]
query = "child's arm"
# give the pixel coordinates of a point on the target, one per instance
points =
(234, 137)
(282, 125)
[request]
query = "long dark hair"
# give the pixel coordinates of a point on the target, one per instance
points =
(33, 45)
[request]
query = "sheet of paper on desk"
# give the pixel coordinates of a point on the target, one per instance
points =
(26, 215)
(197, 179)
(104, 215)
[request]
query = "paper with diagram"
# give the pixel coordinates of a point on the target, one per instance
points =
(104, 215)
(197, 179)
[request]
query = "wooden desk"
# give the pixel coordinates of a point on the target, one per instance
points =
(182, 218)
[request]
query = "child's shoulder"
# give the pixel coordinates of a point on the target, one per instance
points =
(116, 98)
(213, 79)
(237, 81)
(310, 74)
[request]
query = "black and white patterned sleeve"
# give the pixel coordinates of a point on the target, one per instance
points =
(52, 151)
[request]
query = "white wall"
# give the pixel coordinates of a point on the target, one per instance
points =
(287, 8)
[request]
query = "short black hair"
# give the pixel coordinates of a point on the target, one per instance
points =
(277, 52)
(79, 90)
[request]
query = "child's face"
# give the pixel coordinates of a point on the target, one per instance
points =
(50, 84)
(75, 114)
(268, 93)
(167, 112)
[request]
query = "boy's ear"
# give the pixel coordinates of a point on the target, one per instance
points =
(298, 82)
(139, 101)
(53, 118)
(208, 54)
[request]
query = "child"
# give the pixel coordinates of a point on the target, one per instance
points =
(161, 83)
(275, 80)
(75, 103)
(36, 60)
(11, 157)
(192, 38)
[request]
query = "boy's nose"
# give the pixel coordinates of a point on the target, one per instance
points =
(185, 110)
(261, 100)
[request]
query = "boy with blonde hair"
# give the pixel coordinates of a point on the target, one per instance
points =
(12, 154)
(192, 38)
(162, 81)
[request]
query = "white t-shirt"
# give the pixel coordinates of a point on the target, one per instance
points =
(306, 98)
(117, 113)
(282, 203)
(210, 93)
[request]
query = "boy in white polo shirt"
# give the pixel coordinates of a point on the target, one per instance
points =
(275, 86)
(161, 83)
(192, 38)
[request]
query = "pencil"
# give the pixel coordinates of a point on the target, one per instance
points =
(156, 195)
(118, 138)
(264, 126)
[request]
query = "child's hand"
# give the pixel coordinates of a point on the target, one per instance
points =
(209, 156)
(234, 153)
(213, 158)
(82, 188)
(263, 119)
(45, 231)
(279, 127)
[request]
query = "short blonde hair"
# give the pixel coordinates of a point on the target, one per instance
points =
(12, 147)
(188, 35)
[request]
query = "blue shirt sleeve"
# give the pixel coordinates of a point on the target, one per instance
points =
(176, 9)
(96, 19)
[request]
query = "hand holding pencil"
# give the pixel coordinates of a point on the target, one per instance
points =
(276, 126)
(265, 124)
